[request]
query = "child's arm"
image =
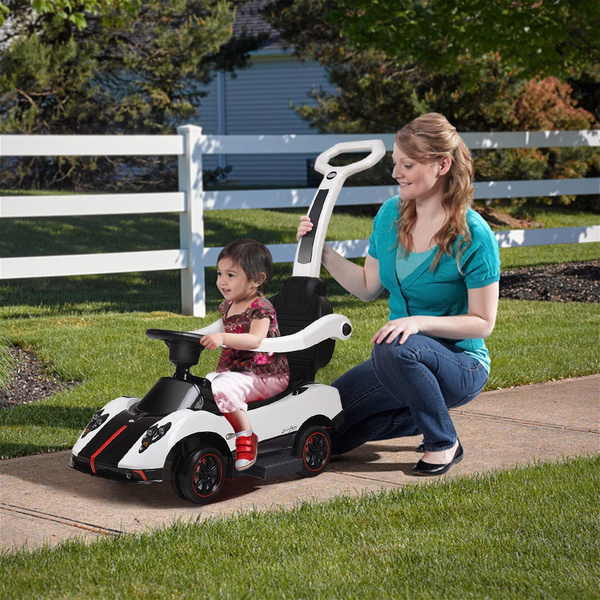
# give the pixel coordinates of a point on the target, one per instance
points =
(240, 341)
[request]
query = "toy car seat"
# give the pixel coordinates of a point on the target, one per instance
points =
(301, 302)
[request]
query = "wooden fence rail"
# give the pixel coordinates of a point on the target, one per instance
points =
(190, 202)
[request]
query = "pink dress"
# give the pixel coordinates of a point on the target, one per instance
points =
(244, 376)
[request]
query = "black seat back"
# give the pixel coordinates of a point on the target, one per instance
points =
(300, 302)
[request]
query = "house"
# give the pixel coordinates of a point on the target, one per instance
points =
(257, 101)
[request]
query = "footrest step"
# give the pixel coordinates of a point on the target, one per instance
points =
(274, 465)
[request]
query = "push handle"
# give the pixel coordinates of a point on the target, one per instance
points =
(375, 147)
(307, 262)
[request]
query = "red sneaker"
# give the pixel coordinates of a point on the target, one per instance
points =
(245, 451)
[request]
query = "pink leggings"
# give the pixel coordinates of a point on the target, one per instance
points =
(233, 390)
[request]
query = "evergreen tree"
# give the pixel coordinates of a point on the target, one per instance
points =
(121, 67)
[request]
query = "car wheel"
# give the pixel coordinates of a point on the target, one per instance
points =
(175, 468)
(201, 476)
(313, 445)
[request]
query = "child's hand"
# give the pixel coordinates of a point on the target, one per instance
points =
(304, 227)
(212, 341)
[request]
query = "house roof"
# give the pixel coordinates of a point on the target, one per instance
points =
(249, 20)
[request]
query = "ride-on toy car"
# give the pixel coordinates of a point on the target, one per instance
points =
(177, 422)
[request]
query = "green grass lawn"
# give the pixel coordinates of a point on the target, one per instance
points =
(110, 356)
(91, 329)
(525, 533)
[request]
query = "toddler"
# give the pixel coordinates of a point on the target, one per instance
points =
(244, 269)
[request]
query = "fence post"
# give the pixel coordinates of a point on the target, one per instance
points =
(191, 222)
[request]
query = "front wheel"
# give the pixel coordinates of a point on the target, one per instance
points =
(176, 466)
(200, 478)
(313, 445)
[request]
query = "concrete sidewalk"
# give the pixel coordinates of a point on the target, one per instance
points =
(43, 501)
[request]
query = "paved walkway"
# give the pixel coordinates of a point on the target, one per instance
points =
(43, 501)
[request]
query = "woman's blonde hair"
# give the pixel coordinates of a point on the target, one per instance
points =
(428, 138)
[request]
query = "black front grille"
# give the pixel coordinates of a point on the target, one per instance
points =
(114, 473)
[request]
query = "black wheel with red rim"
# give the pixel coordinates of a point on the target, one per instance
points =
(200, 478)
(313, 445)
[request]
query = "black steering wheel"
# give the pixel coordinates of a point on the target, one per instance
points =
(184, 347)
(169, 335)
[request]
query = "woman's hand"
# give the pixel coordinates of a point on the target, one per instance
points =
(304, 227)
(212, 341)
(363, 282)
(402, 328)
(477, 323)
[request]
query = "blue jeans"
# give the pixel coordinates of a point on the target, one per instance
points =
(406, 390)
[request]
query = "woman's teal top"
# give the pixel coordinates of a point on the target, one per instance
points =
(417, 290)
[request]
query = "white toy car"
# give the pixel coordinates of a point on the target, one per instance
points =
(178, 423)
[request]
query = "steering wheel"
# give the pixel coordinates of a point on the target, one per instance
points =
(169, 335)
(184, 347)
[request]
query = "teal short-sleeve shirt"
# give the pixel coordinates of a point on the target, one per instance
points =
(444, 291)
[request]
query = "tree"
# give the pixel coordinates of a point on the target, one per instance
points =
(538, 38)
(130, 67)
(545, 104)
(69, 10)
(377, 92)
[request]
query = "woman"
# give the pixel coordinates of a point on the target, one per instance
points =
(440, 263)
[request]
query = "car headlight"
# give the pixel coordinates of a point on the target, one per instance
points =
(153, 435)
(97, 419)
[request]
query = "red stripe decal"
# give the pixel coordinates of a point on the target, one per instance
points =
(142, 475)
(106, 443)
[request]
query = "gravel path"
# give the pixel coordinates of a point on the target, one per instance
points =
(570, 282)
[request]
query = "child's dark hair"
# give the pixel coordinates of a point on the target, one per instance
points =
(253, 257)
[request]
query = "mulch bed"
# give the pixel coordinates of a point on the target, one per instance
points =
(571, 282)
(31, 380)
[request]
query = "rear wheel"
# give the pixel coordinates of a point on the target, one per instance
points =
(201, 476)
(313, 445)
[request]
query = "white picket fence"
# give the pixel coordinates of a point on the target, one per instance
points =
(190, 145)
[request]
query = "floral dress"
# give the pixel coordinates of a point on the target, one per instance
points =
(262, 364)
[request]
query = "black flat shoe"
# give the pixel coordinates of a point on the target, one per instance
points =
(420, 448)
(425, 468)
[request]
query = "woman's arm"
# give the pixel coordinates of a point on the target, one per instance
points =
(477, 323)
(362, 282)
(240, 341)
